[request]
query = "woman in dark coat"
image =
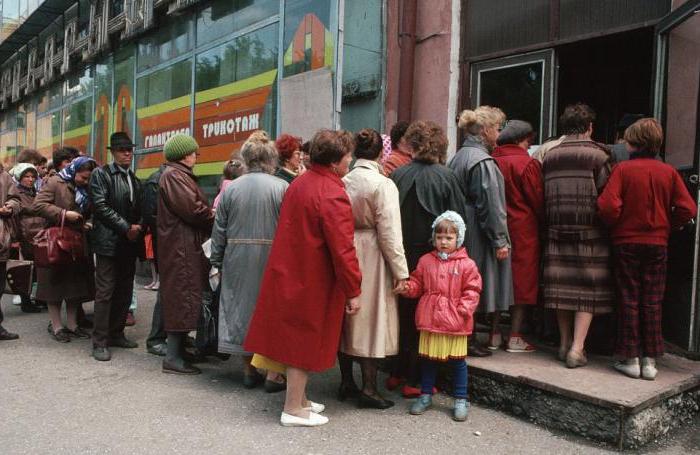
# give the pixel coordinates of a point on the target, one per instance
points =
(311, 277)
(26, 223)
(185, 220)
(65, 194)
(427, 188)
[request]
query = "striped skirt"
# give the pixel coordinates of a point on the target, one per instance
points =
(578, 275)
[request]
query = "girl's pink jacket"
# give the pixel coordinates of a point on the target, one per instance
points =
(449, 293)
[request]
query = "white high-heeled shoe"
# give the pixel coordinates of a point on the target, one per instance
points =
(629, 367)
(649, 370)
(314, 420)
(315, 407)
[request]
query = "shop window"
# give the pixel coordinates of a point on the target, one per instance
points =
(165, 43)
(223, 17)
(103, 111)
(78, 84)
(123, 107)
(48, 133)
(163, 100)
(235, 95)
(21, 127)
(308, 41)
(8, 148)
(77, 125)
(56, 95)
(30, 124)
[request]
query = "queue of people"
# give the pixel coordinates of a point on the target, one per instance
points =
(363, 254)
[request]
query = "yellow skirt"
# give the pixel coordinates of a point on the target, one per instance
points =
(264, 363)
(442, 347)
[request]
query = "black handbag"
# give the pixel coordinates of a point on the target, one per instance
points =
(207, 339)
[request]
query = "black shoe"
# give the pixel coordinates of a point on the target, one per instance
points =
(85, 323)
(7, 336)
(194, 358)
(374, 402)
(474, 350)
(348, 391)
(49, 328)
(41, 304)
(274, 386)
(251, 381)
(101, 353)
(159, 349)
(180, 368)
(30, 308)
(122, 342)
(78, 333)
(62, 335)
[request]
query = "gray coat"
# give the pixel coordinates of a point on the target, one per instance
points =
(246, 221)
(487, 228)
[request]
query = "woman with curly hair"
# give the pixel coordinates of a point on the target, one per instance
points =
(427, 188)
(290, 164)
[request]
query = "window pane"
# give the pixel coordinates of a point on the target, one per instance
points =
(77, 124)
(163, 101)
(8, 148)
(165, 43)
(308, 42)
(48, 134)
(30, 116)
(78, 84)
(103, 111)
(224, 17)
(516, 90)
(235, 95)
(123, 91)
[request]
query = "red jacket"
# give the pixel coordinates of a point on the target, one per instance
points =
(311, 272)
(524, 189)
(395, 161)
(449, 293)
(643, 200)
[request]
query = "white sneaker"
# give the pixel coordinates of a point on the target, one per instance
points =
(16, 300)
(629, 367)
(315, 407)
(495, 341)
(314, 420)
(649, 368)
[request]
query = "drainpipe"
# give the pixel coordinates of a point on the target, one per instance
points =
(407, 45)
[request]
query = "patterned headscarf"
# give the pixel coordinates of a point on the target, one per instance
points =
(68, 174)
(456, 220)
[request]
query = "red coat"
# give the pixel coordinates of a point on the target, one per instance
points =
(449, 293)
(525, 208)
(643, 200)
(312, 270)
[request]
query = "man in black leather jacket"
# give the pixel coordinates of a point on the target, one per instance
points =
(117, 241)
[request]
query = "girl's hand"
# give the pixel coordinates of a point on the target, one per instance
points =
(352, 306)
(400, 286)
(73, 217)
(463, 311)
(502, 253)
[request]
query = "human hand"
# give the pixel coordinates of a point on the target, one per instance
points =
(463, 311)
(73, 217)
(87, 227)
(502, 253)
(352, 306)
(400, 286)
(133, 233)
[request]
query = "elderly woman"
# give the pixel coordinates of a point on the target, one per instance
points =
(373, 333)
(312, 275)
(246, 220)
(577, 272)
(488, 242)
(290, 164)
(426, 189)
(65, 195)
(27, 224)
(522, 176)
(184, 222)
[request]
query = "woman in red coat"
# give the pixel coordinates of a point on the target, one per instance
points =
(312, 277)
(524, 204)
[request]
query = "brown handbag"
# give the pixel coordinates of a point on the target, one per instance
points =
(59, 245)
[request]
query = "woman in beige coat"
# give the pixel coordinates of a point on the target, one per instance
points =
(373, 333)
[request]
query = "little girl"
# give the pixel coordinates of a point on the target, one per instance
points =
(448, 284)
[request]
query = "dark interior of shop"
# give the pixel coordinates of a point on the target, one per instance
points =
(612, 74)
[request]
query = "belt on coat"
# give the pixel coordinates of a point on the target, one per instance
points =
(249, 241)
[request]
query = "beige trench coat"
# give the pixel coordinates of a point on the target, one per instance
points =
(374, 331)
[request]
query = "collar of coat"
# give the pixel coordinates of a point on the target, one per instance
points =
(509, 150)
(114, 169)
(326, 171)
(367, 164)
(461, 253)
(182, 168)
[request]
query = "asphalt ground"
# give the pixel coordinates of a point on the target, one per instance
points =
(55, 399)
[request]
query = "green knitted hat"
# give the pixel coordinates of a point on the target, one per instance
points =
(179, 146)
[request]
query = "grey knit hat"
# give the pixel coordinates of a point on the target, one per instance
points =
(457, 220)
(514, 132)
(179, 146)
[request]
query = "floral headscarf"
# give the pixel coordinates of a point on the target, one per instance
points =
(68, 174)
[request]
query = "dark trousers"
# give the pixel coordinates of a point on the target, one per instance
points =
(157, 335)
(3, 276)
(640, 271)
(429, 371)
(114, 286)
(406, 364)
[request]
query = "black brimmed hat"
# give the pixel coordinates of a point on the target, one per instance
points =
(120, 140)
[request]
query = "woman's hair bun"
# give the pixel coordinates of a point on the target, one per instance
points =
(467, 118)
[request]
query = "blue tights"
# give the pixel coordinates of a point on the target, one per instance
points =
(429, 371)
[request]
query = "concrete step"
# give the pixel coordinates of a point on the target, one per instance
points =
(594, 401)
